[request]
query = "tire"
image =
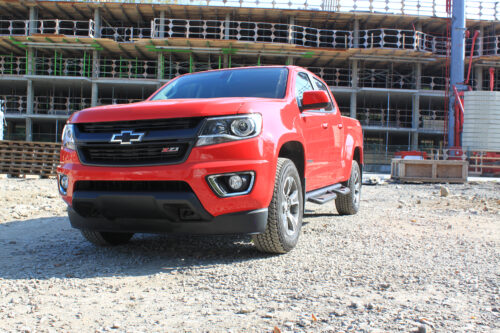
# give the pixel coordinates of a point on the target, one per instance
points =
(285, 211)
(349, 204)
(106, 238)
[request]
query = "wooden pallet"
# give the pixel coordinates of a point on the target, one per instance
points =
(29, 158)
(434, 171)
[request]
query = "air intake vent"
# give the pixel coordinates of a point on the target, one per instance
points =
(131, 186)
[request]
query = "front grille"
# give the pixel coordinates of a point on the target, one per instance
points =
(131, 186)
(146, 153)
(140, 125)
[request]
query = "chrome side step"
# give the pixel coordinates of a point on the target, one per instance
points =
(326, 194)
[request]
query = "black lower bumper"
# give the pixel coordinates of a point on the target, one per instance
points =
(157, 213)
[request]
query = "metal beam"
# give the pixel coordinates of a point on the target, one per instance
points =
(113, 17)
(44, 9)
(456, 63)
(126, 15)
(140, 52)
(141, 16)
(71, 46)
(128, 54)
(65, 12)
(5, 10)
(82, 14)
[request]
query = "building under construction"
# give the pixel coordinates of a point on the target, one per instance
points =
(384, 60)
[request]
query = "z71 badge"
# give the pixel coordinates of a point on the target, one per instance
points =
(170, 150)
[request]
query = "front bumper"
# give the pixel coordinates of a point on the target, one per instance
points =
(152, 212)
(158, 212)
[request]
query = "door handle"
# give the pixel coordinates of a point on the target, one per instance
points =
(340, 125)
(324, 125)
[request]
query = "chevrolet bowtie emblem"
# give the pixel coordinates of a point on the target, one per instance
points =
(126, 137)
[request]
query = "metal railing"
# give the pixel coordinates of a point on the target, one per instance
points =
(262, 32)
(59, 105)
(334, 77)
(433, 82)
(14, 27)
(383, 78)
(64, 27)
(58, 66)
(109, 101)
(56, 105)
(433, 120)
(125, 34)
(381, 117)
(14, 104)
(128, 68)
(12, 65)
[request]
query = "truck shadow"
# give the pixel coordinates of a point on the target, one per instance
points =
(45, 248)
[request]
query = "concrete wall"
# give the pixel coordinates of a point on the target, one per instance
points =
(482, 120)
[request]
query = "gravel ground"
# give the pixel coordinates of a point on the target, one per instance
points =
(411, 260)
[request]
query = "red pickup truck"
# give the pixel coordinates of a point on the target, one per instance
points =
(231, 151)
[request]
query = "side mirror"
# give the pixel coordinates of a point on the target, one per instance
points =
(314, 100)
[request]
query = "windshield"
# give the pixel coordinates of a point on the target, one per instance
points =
(246, 82)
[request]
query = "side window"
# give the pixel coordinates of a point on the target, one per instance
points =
(302, 84)
(319, 85)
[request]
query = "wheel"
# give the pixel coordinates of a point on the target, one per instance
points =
(349, 204)
(106, 238)
(285, 211)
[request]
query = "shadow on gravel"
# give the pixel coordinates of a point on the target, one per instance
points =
(49, 248)
(306, 215)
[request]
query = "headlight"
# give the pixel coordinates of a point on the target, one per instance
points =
(225, 129)
(68, 137)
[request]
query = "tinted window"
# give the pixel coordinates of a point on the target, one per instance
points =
(321, 86)
(249, 82)
(302, 84)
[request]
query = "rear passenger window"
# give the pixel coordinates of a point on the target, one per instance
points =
(319, 85)
(302, 84)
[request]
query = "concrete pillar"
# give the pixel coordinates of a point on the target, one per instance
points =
(355, 34)
(226, 26)
(354, 85)
(418, 75)
(415, 121)
(97, 23)
(95, 94)
(415, 116)
(480, 41)
(161, 27)
(29, 61)
(161, 64)
(30, 99)
(291, 22)
(33, 17)
(478, 75)
(95, 76)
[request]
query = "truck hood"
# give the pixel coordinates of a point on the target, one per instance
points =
(164, 109)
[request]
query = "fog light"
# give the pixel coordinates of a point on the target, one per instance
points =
(63, 183)
(232, 184)
(235, 182)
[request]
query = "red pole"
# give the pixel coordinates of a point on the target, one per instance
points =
(476, 33)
